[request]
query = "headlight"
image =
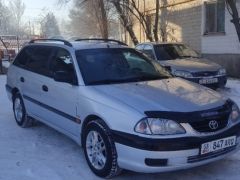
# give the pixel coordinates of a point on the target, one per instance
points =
(222, 72)
(184, 74)
(235, 114)
(155, 126)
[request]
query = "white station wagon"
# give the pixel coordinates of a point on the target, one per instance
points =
(124, 109)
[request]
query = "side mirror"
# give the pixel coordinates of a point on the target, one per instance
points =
(168, 68)
(63, 76)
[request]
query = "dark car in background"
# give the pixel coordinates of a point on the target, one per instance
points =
(186, 63)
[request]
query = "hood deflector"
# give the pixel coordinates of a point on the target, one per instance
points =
(186, 117)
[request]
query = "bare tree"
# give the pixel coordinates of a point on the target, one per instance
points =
(144, 20)
(232, 8)
(151, 29)
(99, 10)
(101, 16)
(49, 26)
(125, 19)
(6, 24)
(3, 18)
(82, 22)
(129, 11)
(17, 8)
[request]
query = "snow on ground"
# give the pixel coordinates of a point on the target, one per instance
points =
(41, 153)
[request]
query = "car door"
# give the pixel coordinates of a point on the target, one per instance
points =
(19, 68)
(31, 76)
(61, 97)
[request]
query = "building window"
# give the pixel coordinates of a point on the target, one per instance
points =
(215, 17)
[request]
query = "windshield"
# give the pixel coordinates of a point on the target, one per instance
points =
(108, 66)
(174, 51)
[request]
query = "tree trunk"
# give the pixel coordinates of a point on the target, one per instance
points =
(148, 30)
(155, 30)
(128, 26)
(145, 20)
(103, 20)
(235, 15)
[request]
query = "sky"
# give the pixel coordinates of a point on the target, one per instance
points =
(35, 7)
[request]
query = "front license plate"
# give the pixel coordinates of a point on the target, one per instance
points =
(208, 81)
(217, 145)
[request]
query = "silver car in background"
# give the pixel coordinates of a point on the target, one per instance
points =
(184, 62)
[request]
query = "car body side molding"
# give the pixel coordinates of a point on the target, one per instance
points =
(67, 116)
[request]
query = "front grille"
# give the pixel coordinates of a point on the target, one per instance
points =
(205, 74)
(203, 126)
(221, 117)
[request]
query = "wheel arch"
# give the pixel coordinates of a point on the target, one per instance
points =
(90, 118)
(14, 92)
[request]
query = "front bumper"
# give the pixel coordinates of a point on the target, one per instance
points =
(222, 81)
(154, 155)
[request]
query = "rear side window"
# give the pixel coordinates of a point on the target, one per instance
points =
(140, 47)
(148, 50)
(22, 58)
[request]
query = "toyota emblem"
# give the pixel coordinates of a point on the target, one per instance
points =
(213, 124)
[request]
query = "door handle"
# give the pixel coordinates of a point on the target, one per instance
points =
(45, 88)
(22, 79)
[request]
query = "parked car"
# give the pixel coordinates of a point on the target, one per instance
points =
(125, 110)
(186, 63)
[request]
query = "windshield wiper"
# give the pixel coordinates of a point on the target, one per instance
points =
(149, 76)
(107, 81)
(146, 78)
(188, 56)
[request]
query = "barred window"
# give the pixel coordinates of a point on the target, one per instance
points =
(215, 17)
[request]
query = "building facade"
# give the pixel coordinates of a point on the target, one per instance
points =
(204, 25)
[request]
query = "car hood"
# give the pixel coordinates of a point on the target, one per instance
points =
(191, 65)
(173, 94)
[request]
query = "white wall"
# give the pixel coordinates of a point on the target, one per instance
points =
(221, 44)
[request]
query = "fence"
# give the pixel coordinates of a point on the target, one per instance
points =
(10, 46)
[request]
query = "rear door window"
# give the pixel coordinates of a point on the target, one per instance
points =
(38, 60)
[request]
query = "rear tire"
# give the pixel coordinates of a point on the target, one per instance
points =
(99, 150)
(20, 112)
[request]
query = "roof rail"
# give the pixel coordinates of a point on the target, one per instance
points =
(67, 43)
(104, 40)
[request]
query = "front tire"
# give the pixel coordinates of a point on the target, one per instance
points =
(99, 150)
(20, 112)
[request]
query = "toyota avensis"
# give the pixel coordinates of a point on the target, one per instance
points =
(125, 110)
